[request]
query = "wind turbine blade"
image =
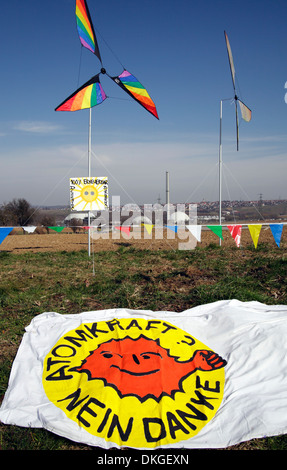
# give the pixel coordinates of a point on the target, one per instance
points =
(231, 63)
(136, 90)
(85, 28)
(245, 111)
(88, 95)
(237, 128)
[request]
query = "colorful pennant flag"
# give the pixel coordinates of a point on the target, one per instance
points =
(195, 230)
(29, 228)
(89, 95)
(124, 229)
(56, 228)
(148, 227)
(174, 228)
(255, 232)
(136, 90)
(235, 231)
(276, 230)
(85, 28)
(217, 229)
(137, 379)
(4, 231)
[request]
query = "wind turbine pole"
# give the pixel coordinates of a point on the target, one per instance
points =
(220, 165)
(167, 197)
(89, 174)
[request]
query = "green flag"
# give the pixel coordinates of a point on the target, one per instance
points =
(217, 229)
(57, 229)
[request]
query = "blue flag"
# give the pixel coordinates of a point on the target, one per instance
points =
(4, 231)
(276, 230)
(172, 227)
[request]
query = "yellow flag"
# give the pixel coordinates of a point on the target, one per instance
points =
(255, 232)
(148, 227)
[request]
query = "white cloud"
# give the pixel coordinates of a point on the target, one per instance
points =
(38, 127)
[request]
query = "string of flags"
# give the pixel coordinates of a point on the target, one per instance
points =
(234, 230)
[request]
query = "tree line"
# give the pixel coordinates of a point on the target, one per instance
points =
(19, 212)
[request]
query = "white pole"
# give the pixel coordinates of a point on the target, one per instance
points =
(220, 164)
(167, 195)
(89, 174)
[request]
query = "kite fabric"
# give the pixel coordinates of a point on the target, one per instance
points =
(88, 95)
(245, 111)
(230, 58)
(92, 93)
(85, 28)
(136, 90)
(209, 377)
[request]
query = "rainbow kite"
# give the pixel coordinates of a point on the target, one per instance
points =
(85, 28)
(91, 93)
(131, 85)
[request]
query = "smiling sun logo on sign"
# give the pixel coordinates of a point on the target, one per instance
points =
(89, 193)
(135, 382)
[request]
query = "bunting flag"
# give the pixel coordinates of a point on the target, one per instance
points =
(217, 229)
(174, 228)
(4, 231)
(124, 229)
(88, 95)
(85, 28)
(276, 230)
(235, 231)
(195, 230)
(56, 228)
(29, 228)
(255, 232)
(209, 377)
(148, 227)
(136, 90)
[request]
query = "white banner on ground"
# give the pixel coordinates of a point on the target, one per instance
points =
(209, 377)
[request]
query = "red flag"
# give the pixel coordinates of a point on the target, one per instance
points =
(235, 231)
(124, 229)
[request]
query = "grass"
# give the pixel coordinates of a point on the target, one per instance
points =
(71, 282)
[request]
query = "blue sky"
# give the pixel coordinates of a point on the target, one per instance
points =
(176, 48)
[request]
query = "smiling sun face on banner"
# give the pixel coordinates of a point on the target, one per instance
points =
(135, 382)
(89, 194)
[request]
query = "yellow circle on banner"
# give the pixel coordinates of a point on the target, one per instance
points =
(139, 383)
(89, 193)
